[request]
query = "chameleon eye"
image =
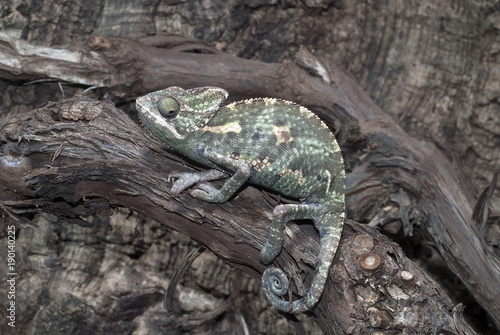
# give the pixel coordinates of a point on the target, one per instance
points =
(168, 108)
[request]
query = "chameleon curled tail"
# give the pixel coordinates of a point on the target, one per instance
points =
(275, 282)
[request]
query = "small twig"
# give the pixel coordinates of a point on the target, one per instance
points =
(56, 153)
(489, 194)
(168, 303)
(61, 88)
(200, 319)
(88, 89)
(21, 222)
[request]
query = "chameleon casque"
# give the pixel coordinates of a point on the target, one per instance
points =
(272, 143)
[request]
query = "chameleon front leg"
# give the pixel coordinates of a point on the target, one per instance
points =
(205, 191)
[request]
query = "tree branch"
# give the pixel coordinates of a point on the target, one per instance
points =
(81, 157)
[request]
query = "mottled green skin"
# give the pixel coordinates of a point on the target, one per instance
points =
(273, 143)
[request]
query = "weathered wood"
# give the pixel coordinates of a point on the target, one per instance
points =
(91, 158)
(427, 186)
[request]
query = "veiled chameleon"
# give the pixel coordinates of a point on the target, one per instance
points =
(269, 142)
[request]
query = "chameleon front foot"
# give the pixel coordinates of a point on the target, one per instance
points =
(207, 192)
(187, 179)
(184, 181)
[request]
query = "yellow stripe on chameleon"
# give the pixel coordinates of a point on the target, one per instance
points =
(231, 127)
(329, 175)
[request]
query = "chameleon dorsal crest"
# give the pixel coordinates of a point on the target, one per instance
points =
(268, 142)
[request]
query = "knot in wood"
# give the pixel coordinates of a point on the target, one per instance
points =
(81, 109)
(369, 262)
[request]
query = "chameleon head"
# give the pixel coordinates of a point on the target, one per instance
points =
(173, 113)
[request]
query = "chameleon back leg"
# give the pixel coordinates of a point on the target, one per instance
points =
(281, 215)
